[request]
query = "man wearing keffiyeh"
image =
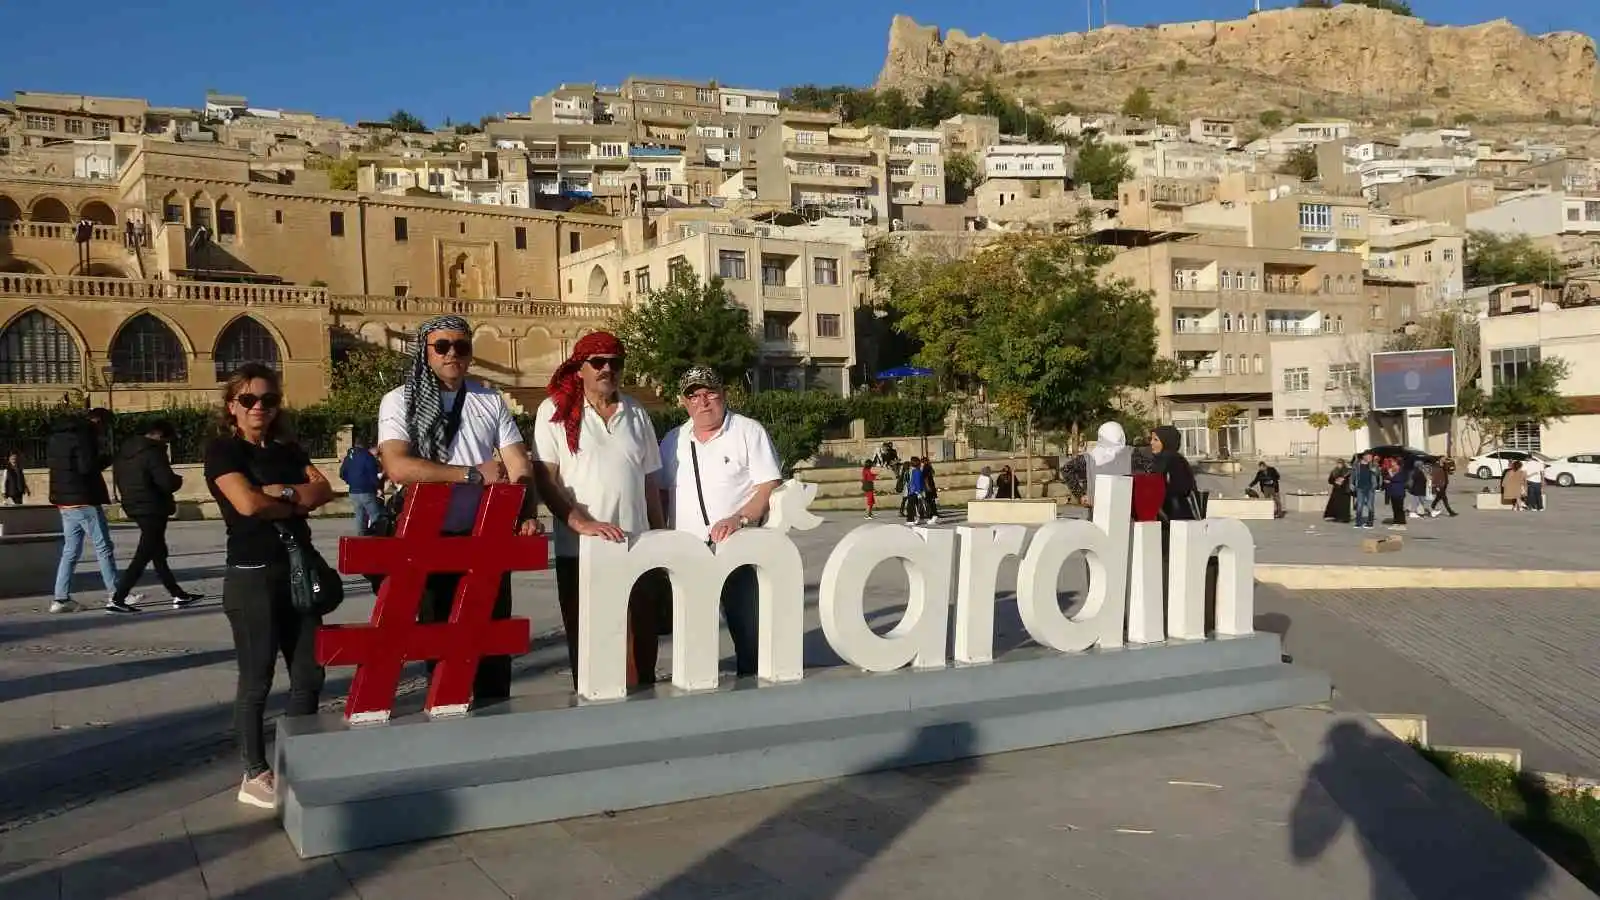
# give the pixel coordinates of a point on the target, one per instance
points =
(418, 445)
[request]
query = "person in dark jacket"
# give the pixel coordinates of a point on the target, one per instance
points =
(363, 478)
(1396, 479)
(1441, 487)
(1364, 481)
(13, 483)
(1181, 501)
(147, 485)
(78, 491)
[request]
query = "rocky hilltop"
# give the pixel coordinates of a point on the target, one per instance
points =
(1346, 59)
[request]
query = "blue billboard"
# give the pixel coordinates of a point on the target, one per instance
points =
(1414, 379)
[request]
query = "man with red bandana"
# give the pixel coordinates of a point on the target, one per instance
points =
(595, 462)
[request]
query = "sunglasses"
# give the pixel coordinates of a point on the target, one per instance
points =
(600, 362)
(703, 395)
(443, 346)
(267, 401)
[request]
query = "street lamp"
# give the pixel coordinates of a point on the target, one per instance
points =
(108, 372)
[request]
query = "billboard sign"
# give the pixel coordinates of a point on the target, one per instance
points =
(1414, 379)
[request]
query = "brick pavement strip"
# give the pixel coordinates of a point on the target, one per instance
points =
(1528, 655)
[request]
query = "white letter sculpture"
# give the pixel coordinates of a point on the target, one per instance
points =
(919, 639)
(1191, 545)
(977, 571)
(1105, 544)
(607, 572)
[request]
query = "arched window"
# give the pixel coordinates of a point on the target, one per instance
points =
(1227, 322)
(1255, 322)
(37, 349)
(147, 352)
(1255, 281)
(1327, 284)
(1227, 364)
(1256, 364)
(245, 341)
(1227, 280)
(9, 210)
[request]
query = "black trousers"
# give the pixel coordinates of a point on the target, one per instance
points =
(645, 607)
(265, 625)
(1397, 505)
(493, 681)
(1442, 495)
(152, 551)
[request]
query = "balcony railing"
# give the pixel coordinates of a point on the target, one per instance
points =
(782, 292)
(1183, 328)
(472, 309)
(55, 231)
(828, 149)
(168, 291)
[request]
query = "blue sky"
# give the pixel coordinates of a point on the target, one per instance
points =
(464, 58)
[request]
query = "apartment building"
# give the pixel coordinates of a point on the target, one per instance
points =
(821, 168)
(568, 163)
(1159, 203)
(1301, 134)
(1216, 132)
(1327, 374)
(916, 165)
(1514, 335)
(1565, 222)
(277, 267)
(1448, 200)
(801, 294)
(43, 118)
(1044, 161)
(492, 177)
(970, 134)
(1220, 307)
(1185, 159)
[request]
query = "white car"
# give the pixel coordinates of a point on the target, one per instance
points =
(1494, 465)
(1579, 468)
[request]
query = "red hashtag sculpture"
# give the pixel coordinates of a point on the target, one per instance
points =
(380, 650)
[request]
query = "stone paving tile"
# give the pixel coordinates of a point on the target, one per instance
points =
(1529, 656)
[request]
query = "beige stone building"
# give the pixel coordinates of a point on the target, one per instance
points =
(236, 268)
(801, 292)
(811, 162)
(915, 167)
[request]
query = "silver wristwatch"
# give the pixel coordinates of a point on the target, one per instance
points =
(744, 521)
(474, 476)
(287, 493)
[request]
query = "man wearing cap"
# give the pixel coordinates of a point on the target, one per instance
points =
(441, 426)
(721, 469)
(595, 462)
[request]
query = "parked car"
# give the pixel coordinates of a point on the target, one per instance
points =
(1408, 456)
(1579, 468)
(1494, 465)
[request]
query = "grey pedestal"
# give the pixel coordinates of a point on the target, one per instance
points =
(345, 788)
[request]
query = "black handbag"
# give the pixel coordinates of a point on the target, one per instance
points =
(315, 587)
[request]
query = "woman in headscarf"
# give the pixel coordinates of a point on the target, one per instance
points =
(984, 490)
(1110, 455)
(1182, 501)
(1338, 508)
(1005, 486)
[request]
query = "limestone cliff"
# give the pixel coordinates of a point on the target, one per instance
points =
(1344, 57)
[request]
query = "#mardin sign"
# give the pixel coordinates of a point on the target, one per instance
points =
(946, 569)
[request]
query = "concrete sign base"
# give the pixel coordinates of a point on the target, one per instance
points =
(348, 788)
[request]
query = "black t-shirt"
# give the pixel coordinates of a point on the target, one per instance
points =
(252, 541)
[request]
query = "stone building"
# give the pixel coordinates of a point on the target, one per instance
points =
(235, 267)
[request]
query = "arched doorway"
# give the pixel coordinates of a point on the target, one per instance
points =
(49, 209)
(9, 210)
(19, 267)
(599, 286)
(245, 341)
(35, 348)
(146, 351)
(102, 270)
(98, 212)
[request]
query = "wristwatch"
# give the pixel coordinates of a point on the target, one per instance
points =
(474, 476)
(744, 521)
(287, 493)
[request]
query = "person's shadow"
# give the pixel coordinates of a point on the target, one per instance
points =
(1423, 838)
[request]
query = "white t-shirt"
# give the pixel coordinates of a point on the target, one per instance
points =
(606, 475)
(486, 426)
(732, 463)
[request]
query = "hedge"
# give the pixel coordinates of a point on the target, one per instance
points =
(797, 421)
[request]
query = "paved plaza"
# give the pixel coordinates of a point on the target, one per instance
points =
(115, 749)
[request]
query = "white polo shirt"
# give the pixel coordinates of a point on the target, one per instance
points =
(732, 462)
(606, 475)
(486, 427)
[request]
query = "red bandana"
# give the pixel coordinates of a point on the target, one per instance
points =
(566, 388)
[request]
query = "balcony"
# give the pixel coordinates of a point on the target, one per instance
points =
(471, 309)
(31, 286)
(902, 175)
(55, 231)
(788, 344)
(841, 150)
(831, 176)
(782, 295)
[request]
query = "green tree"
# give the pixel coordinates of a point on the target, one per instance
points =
(1271, 118)
(1102, 167)
(1318, 421)
(341, 172)
(684, 324)
(361, 374)
(1398, 7)
(1533, 397)
(1138, 103)
(1218, 418)
(1034, 320)
(1506, 258)
(939, 102)
(406, 122)
(1301, 163)
(960, 176)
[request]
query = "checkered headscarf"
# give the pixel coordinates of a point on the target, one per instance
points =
(424, 408)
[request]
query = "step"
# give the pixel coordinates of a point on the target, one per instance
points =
(347, 788)
(1043, 466)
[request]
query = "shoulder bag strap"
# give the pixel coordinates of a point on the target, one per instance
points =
(694, 460)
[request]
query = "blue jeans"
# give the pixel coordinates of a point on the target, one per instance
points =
(76, 523)
(367, 509)
(1366, 506)
(1536, 494)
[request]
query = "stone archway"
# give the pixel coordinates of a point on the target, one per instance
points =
(98, 212)
(599, 286)
(49, 209)
(9, 210)
(14, 266)
(102, 270)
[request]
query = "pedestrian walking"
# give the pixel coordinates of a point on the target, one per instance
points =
(148, 490)
(78, 490)
(363, 478)
(869, 487)
(262, 481)
(1441, 487)
(1365, 480)
(13, 482)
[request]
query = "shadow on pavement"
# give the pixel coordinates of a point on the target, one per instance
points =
(1423, 838)
(112, 673)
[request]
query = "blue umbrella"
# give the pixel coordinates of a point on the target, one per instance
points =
(904, 372)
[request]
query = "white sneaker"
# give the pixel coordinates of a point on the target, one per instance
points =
(65, 606)
(260, 791)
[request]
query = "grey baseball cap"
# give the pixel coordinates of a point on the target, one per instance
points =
(698, 377)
